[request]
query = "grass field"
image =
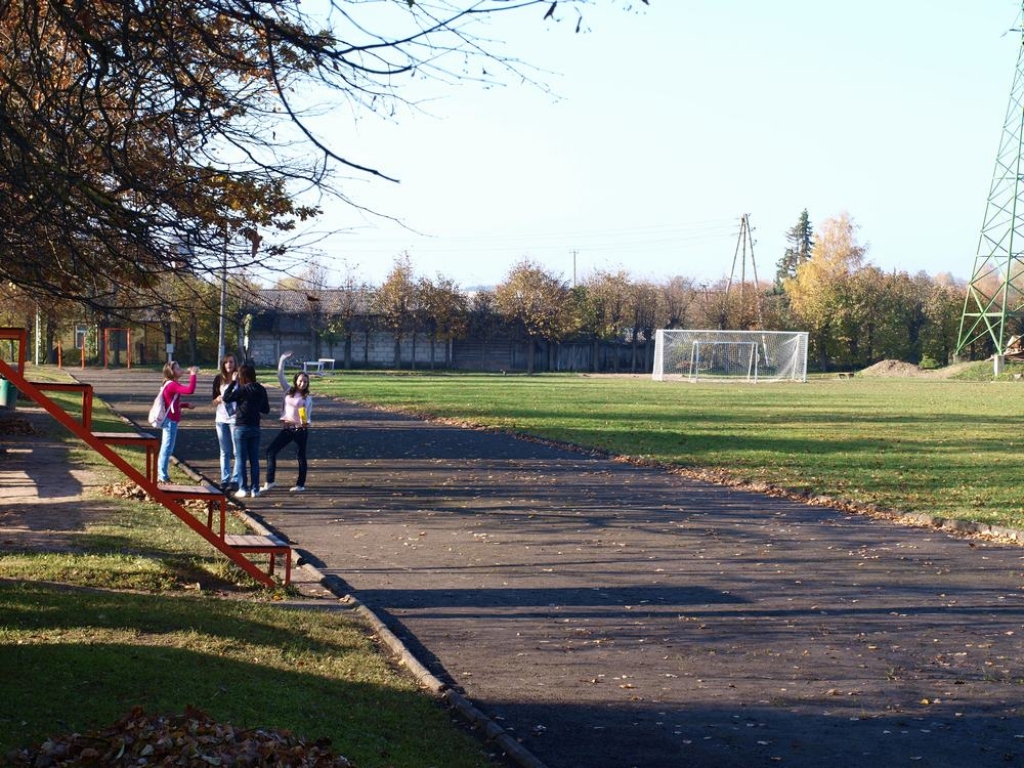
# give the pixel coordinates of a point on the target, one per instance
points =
(77, 653)
(74, 661)
(942, 446)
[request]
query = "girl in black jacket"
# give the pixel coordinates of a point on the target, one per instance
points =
(252, 401)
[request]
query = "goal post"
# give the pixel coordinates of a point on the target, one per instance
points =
(696, 355)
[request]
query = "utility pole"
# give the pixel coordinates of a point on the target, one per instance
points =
(995, 290)
(221, 331)
(574, 252)
(745, 242)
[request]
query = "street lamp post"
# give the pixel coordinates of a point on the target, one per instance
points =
(223, 299)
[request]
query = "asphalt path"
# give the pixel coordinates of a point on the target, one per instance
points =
(609, 615)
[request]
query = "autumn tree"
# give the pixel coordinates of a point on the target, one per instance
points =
(643, 313)
(396, 302)
(943, 308)
(143, 138)
(349, 304)
(899, 307)
(445, 311)
(718, 307)
(607, 298)
(538, 303)
(817, 290)
(859, 326)
(484, 322)
(677, 297)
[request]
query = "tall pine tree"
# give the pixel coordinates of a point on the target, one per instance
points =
(801, 241)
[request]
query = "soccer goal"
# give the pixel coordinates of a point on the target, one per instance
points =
(730, 355)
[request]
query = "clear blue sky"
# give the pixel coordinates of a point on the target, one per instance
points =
(672, 123)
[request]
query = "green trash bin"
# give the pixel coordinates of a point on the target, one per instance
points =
(8, 394)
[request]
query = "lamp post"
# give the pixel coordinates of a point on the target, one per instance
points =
(223, 299)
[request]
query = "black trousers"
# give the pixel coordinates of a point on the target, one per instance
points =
(285, 436)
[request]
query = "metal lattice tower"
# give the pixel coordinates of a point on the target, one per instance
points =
(996, 289)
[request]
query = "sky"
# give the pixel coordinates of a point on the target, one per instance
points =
(662, 128)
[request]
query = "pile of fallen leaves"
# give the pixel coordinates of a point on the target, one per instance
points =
(15, 425)
(192, 740)
(130, 490)
(125, 490)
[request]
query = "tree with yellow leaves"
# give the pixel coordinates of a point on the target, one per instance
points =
(819, 291)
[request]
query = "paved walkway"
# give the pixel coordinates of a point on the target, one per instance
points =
(609, 615)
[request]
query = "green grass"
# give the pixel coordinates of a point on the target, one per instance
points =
(946, 447)
(133, 545)
(78, 658)
(81, 660)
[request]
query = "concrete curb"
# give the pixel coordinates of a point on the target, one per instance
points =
(492, 732)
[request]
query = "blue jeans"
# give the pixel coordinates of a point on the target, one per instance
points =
(168, 436)
(247, 450)
(227, 452)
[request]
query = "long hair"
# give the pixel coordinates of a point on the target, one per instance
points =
(225, 377)
(169, 370)
(246, 373)
(304, 391)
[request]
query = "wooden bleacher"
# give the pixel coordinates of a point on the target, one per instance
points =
(236, 547)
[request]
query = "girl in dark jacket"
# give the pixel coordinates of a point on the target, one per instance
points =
(251, 399)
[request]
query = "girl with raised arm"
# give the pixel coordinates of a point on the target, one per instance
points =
(296, 411)
(171, 392)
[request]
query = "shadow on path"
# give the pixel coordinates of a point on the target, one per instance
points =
(609, 615)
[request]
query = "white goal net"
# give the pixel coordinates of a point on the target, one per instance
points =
(730, 355)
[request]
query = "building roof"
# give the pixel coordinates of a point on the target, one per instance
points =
(291, 301)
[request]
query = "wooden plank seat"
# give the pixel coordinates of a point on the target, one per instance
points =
(84, 389)
(136, 439)
(212, 495)
(168, 495)
(251, 543)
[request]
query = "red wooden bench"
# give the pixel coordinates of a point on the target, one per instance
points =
(135, 439)
(208, 493)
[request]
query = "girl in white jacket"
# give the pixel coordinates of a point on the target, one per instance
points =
(296, 412)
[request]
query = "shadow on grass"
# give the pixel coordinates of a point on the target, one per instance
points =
(76, 660)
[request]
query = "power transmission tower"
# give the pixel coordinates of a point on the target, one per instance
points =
(995, 289)
(745, 242)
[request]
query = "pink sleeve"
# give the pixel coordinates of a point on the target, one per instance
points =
(177, 388)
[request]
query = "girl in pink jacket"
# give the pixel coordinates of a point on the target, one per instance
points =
(172, 391)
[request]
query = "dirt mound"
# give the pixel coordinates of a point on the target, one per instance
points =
(892, 368)
(899, 368)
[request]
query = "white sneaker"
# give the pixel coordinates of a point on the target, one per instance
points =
(266, 487)
(297, 488)
(255, 493)
(241, 493)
